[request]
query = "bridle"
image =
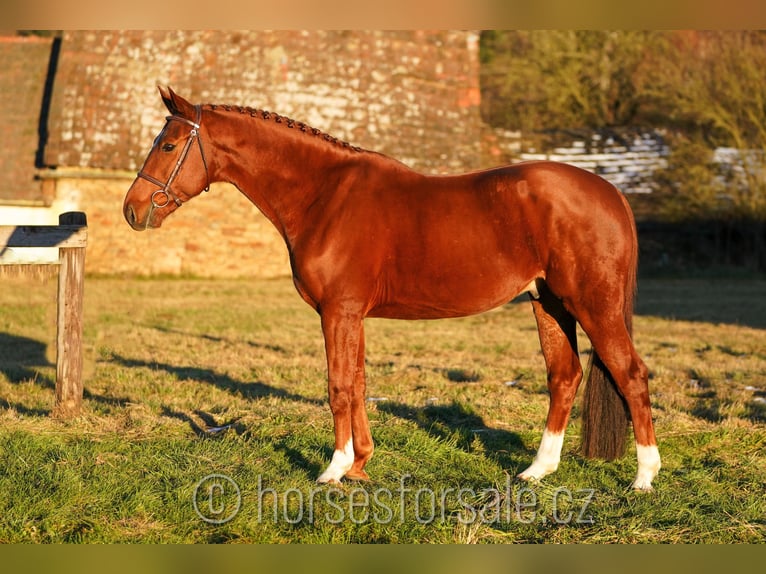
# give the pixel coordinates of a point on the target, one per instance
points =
(165, 189)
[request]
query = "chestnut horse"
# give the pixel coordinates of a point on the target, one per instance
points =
(369, 237)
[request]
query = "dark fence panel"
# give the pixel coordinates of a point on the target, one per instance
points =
(699, 245)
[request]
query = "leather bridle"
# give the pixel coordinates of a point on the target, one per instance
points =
(165, 190)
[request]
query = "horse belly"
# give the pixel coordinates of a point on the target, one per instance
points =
(457, 291)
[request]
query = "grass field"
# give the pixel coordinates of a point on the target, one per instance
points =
(187, 378)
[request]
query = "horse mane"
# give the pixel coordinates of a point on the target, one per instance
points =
(288, 123)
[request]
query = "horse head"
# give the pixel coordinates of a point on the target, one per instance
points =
(175, 169)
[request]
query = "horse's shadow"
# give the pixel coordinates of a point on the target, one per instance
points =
(21, 359)
(455, 422)
(247, 390)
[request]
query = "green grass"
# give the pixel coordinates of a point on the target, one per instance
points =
(456, 409)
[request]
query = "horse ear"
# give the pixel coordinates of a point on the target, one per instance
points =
(166, 98)
(175, 104)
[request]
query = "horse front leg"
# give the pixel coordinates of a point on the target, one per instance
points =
(360, 425)
(343, 341)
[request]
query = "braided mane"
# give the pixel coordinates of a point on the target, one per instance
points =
(287, 122)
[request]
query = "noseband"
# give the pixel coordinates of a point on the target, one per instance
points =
(165, 192)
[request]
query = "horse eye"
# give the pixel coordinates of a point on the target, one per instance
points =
(168, 147)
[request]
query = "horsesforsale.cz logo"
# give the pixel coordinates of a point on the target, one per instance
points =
(216, 499)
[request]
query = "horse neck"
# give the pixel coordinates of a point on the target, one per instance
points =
(277, 165)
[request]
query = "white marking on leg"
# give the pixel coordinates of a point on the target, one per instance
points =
(648, 466)
(341, 463)
(547, 457)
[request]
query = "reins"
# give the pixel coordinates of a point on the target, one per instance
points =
(165, 189)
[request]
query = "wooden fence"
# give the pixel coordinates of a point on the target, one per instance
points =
(71, 237)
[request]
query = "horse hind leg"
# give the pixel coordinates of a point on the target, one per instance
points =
(613, 345)
(558, 340)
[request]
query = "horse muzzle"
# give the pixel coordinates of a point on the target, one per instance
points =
(140, 223)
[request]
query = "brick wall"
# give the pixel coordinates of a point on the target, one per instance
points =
(23, 69)
(412, 95)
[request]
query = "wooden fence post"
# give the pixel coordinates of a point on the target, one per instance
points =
(69, 324)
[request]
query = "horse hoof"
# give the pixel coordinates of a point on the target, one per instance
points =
(528, 477)
(537, 471)
(642, 486)
(357, 475)
(333, 481)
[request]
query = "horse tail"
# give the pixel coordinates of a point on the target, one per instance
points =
(605, 414)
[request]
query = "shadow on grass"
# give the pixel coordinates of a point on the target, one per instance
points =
(457, 422)
(298, 460)
(21, 357)
(709, 407)
(206, 425)
(246, 390)
(216, 339)
(736, 302)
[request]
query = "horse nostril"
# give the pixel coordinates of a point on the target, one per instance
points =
(130, 215)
